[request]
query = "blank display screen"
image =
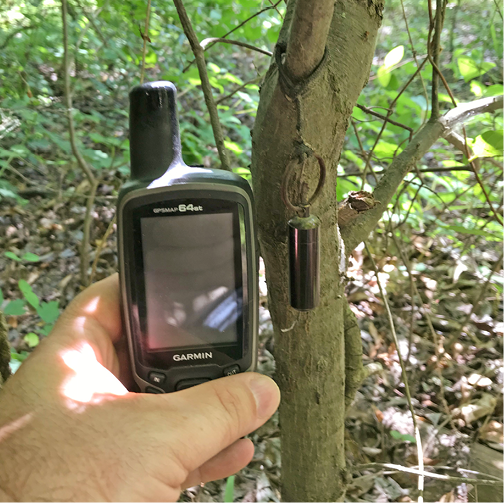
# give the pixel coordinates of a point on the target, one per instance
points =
(193, 288)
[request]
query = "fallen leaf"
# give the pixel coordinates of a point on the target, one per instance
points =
(476, 410)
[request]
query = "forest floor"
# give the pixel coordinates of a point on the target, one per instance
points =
(456, 387)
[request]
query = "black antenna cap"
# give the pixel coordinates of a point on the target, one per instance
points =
(154, 130)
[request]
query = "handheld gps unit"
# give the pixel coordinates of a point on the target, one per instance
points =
(187, 257)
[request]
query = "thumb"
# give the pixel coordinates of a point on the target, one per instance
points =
(218, 413)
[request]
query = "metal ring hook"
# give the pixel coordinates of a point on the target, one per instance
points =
(287, 178)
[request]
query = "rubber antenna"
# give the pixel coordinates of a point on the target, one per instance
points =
(154, 130)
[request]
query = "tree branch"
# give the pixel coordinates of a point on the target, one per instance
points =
(83, 165)
(361, 226)
(433, 52)
(354, 370)
(272, 6)
(213, 40)
(308, 35)
(205, 83)
(145, 36)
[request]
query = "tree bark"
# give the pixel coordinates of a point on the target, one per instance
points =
(310, 357)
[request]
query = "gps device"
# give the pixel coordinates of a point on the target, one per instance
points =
(187, 257)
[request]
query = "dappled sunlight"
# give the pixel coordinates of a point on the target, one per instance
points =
(92, 305)
(8, 429)
(91, 382)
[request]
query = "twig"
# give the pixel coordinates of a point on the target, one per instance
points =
(205, 83)
(433, 332)
(145, 36)
(421, 477)
(434, 61)
(433, 51)
(243, 86)
(359, 228)
(478, 179)
(214, 40)
(12, 34)
(386, 119)
(276, 8)
(308, 36)
(84, 255)
(237, 27)
(91, 19)
(426, 94)
(475, 304)
(432, 475)
(100, 247)
(389, 113)
(423, 170)
(498, 9)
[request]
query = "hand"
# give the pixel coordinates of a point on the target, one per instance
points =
(70, 430)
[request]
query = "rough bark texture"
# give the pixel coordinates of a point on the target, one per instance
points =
(310, 357)
(4, 352)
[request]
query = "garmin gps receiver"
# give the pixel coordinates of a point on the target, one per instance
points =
(187, 257)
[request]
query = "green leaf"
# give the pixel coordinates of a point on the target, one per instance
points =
(383, 76)
(469, 69)
(32, 339)
(28, 293)
(476, 88)
(496, 90)
(234, 147)
(488, 144)
(15, 308)
(1, 299)
(46, 329)
(401, 436)
(465, 230)
(49, 311)
(384, 149)
(394, 56)
(229, 491)
(30, 257)
(13, 256)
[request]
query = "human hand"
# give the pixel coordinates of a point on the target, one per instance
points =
(70, 430)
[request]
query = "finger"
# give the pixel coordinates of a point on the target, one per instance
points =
(216, 414)
(94, 317)
(99, 302)
(229, 461)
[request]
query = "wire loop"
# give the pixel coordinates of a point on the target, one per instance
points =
(304, 206)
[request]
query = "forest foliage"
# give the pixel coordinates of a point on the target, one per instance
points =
(445, 203)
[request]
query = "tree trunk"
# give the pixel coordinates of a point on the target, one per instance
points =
(310, 357)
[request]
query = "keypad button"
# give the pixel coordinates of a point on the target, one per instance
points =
(233, 369)
(157, 378)
(150, 389)
(189, 383)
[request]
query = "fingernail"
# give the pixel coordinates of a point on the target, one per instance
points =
(265, 392)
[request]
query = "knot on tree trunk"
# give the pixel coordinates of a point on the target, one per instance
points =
(357, 202)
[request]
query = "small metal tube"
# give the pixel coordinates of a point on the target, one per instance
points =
(304, 262)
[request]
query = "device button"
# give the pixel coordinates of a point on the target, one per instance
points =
(229, 371)
(150, 389)
(157, 378)
(189, 383)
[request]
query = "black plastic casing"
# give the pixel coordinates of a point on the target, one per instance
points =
(161, 179)
(304, 262)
